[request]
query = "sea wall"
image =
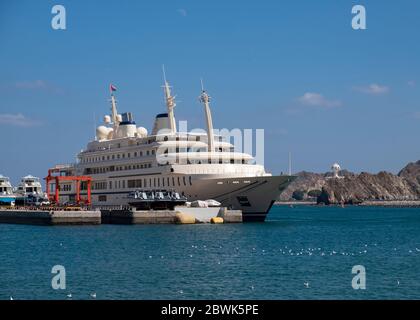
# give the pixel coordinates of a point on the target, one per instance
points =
(50, 217)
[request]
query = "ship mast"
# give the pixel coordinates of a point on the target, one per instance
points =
(170, 103)
(205, 99)
(114, 113)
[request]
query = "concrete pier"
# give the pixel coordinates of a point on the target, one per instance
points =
(201, 215)
(181, 215)
(230, 216)
(50, 217)
(133, 216)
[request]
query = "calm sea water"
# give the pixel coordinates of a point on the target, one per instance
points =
(271, 260)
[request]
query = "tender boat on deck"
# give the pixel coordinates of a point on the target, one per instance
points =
(155, 199)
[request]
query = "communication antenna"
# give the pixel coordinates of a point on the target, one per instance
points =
(164, 73)
(94, 124)
(290, 163)
(202, 85)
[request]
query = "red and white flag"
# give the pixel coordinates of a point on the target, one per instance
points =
(112, 88)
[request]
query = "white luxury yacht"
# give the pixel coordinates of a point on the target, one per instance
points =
(124, 158)
(29, 190)
(7, 197)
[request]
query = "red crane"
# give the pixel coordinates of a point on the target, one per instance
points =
(53, 177)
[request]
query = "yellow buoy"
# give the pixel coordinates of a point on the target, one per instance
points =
(216, 220)
(183, 218)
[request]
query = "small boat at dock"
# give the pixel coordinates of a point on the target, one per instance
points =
(29, 192)
(7, 197)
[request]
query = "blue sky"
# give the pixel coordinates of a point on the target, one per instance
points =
(297, 69)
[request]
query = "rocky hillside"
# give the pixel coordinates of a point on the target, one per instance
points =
(411, 172)
(356, 188)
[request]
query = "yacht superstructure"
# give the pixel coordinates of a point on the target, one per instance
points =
(29, 186)
(200, 166)
(7, 197)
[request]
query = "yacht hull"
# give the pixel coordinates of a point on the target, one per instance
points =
(7, 200)
(253, 195)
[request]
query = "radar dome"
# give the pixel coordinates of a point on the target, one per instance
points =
(142, 132)
(110, 133)
(102, 132)
(107, 119)
(119, 118)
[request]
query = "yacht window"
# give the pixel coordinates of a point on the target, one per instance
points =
(153, 151)
(184, 180)
(110, 185)
(190, 180)
(141, 153)
(123, 155)
(147, 152)
(179, 182)
(173, 181)
(135, 154)
(129, 155)
(150, 182)
(167, 181)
